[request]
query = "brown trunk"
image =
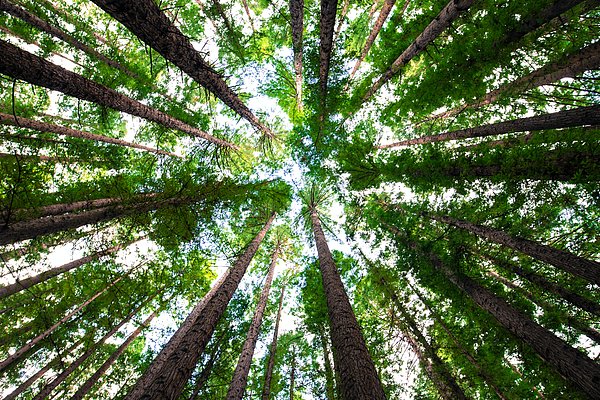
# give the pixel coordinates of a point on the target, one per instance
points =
(169, 376)
(43, 73)
(572, 297)
(292, 376)
(47, 389)
(326, 26)
(562, 119)
(383, 14)
(569, 66)
(145, 20)
(23, 284)
(17, 355)
(266, 394)
(91, 381)
(40, 247)
(343, 12)
(357, 372)
(443, 20)
(247, 9)
(579, 266)
(572, 364)
(240, 375)
(574, 322)
(297, 22)
(486, 377)
(21, 122)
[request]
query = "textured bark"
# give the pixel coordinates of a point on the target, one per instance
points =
(41, 372)
(168, 378)
(91, 381)
(18, 355)
(6, 119)
(266, 393)
(572, 364)
(240, 374)
(145, 20)
(326, 27)
(357, 372)
(489, 380)
(562, 119)
(383, 14)
(579, 266)
(442, 21)
(20, 64)
(23, 284)
(551, 287)
(297, 22)
(569, 66)
(48, 388)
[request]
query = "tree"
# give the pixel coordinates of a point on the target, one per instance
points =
(272, 351)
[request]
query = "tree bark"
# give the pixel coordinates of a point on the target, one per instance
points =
(167, 378)
(443, 20)
(569, 66)
(357, 372)
(561, 119)
(292, 376)
(240, 375)
(383, 14)
(266, 394)
(48, 388)
(297, 23)
(21, 122)
(326, 26)
(20, 64)
(571, 263)
(145, 20)
(17, 355)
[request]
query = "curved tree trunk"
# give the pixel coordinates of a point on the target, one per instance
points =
(21, 122)
(240, 375)
(569, 66)
(167, 375)
(571, 263)
(266, 393)
(43, 73)
(297, 22)
(145, 20)
(357, 372)
(443, 20)
(561, 119)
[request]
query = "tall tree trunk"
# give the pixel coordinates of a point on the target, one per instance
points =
(292, 376)
(167, 375)
(240, 375)
(41, 372)
(48, 388)
(18, 355)
(326, 27)
(579, 266)
(443, 20)
(383, 14)
(207, 369)
(92, 380)
(266, 393)
(551, 287)
(357, 372)
(21, 122)
(297, 22)
(569, 66)
(145, 20)
(561, 119)
(572, 364)
(23, 284)
(247, 9)
(43, 73)
(489, 380)
(329, 378)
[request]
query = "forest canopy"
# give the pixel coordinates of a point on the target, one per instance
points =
(299, 199)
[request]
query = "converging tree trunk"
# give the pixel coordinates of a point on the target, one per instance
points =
(169, 375)
(443, 20)
(266, 393)
(43, 73)
(207, 368)
(297, 22)
(326, 28)
(240, 375)
(581, 116)
(359, 379)
(145, 19)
